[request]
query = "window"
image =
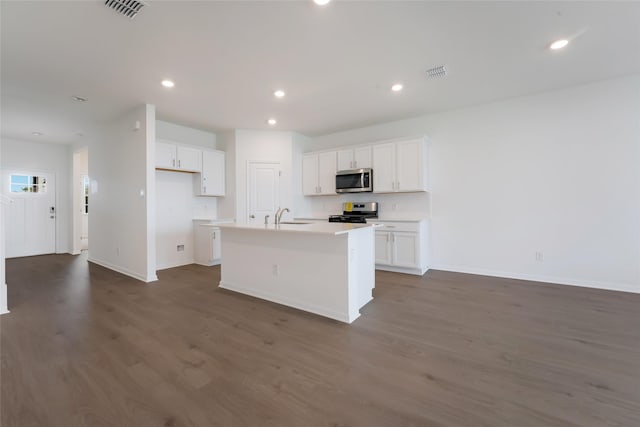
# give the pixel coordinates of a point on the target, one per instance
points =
(28, 184)
(85, 190)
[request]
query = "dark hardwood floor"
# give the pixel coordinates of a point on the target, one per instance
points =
(84, 346)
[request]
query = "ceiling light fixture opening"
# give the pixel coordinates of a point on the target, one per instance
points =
(37, 133)
(272, 122)
(168, 83)
(321, 2)
(279, 93)
(558, 44)
(397, 87)
(79, 98)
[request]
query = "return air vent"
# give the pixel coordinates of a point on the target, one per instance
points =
(435, 72)
(128, 8)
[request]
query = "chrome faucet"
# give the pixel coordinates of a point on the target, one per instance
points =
(279, 214)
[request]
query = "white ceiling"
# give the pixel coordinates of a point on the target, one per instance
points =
(336, 63)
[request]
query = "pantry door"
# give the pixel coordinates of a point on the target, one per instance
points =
(263, 191)
(30, 223)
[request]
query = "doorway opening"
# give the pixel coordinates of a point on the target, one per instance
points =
(263, 191)
(81, 186)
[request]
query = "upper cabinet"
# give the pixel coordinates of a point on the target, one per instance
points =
(319, 173)
(354, 158)
(212, 182)
(208, 165)
(178, 157)
(400, 166)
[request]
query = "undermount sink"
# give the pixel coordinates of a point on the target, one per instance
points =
(294, 222)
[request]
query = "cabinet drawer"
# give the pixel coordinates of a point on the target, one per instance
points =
(397, 226)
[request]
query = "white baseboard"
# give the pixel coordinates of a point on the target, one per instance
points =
(178, 264)
(4, 309)
(610, 286)
(405, 270)
(124, 271)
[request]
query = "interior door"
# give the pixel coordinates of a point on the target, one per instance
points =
(263, 191)
(31, 216)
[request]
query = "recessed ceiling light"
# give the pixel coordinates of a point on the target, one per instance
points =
(559, 44)
(79, 98)
(272, 122)
(396, 87)
(321, 2)
(279, 93)
(168, 83)
(36, 133)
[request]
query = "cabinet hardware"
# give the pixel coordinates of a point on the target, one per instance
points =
(252, 216)
(179, 165)
(205, 189)
(173, 162)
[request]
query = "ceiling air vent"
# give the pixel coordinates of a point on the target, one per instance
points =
(128, 8)
(436, 72)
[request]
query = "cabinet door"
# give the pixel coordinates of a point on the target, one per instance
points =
(310, 174)
(213, 173)
(189, 159)
(362, 157)
(384, 174)
(327, 172)
(383, 248)
(216, 247)
(405, 249)
(165, 155)
(345, 159)
(410, 165)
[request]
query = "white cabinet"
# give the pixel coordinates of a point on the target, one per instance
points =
(354, 158)
(212, 182)
(402, 247)
(207, 245)
(319, 173)
(177, 157)
(400, 166)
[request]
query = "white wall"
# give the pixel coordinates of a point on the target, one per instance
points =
(266, 146)
(50, 158)
(227, 204)
(122, 168)
(176, 202)
(3, 285)
(555, 173)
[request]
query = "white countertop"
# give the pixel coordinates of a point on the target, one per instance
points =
(334, 228)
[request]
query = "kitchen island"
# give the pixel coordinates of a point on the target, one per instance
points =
(324, 268)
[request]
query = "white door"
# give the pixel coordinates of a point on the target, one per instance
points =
(263, 191)
(410, 166)
(362, 157)
(405, 249)
(189, 159)
(383, 248)
(165, 155)
(345, 159)
(31, 216)
(310, 174)
(384, 174)
(327, 173)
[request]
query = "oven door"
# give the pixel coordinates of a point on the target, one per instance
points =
(354, 181)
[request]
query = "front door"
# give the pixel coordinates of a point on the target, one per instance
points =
(31, 215)
(263, 182)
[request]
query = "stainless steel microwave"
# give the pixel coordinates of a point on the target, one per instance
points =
(354, 181)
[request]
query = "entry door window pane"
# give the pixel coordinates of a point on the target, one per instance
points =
(28, 184)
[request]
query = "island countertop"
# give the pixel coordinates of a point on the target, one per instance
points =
(335, 228)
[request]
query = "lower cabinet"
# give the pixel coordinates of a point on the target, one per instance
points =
(402, 247)
(207, 245)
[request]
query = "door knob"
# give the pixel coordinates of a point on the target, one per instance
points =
(252, 216)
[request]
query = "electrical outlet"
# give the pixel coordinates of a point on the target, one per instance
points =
(274, 269)
(180, 248)
(539, 256)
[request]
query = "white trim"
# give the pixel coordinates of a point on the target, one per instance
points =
(405, 270)
(124, 271)
(174, 265)
(290, 303)
(610, 286)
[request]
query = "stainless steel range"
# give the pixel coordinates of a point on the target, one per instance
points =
(356, 212)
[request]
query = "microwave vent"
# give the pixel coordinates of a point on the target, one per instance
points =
(128, 8)
(437, 72)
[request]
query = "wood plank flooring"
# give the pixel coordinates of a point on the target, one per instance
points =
(84, 346)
